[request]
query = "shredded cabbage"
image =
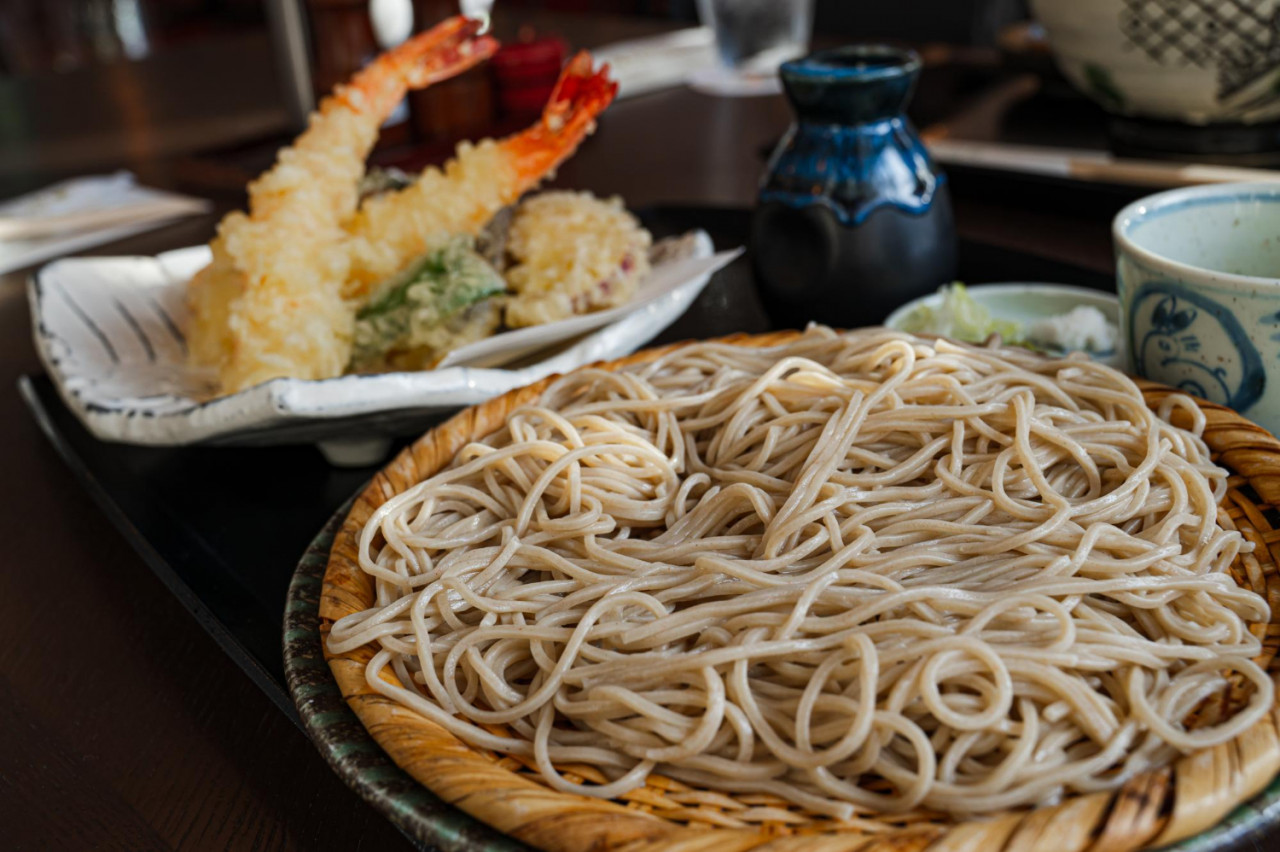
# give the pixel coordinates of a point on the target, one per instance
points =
(960, 317)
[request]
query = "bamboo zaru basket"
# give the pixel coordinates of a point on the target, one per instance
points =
(1156, 808)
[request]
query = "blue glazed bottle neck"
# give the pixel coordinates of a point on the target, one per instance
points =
(851, 149)
(862, 84)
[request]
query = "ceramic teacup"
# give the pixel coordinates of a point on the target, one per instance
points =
(1198, 274)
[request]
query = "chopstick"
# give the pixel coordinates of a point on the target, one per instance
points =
(1092, 166)
(37, 227)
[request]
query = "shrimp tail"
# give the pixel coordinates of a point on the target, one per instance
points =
(427, 58)
(569, 116)
(392, 229)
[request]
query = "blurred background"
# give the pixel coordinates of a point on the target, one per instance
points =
(197, 94)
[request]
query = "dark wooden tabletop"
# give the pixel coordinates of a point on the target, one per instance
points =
(122, 724)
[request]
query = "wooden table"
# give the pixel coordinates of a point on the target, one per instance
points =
(122, 725)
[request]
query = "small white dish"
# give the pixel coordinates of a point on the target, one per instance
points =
(109, 331)
(84, 212)
(1026, 303)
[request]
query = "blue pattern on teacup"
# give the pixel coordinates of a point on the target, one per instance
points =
(1272, 320)
(1179, 337)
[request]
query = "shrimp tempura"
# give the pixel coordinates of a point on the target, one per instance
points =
(270, 304)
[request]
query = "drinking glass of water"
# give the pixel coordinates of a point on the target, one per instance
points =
(753, 37)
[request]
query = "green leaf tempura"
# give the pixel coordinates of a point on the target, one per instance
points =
(410, 309)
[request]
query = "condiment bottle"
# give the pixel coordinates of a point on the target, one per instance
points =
(853, 219)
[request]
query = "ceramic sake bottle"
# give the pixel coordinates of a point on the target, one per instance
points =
(853, 218)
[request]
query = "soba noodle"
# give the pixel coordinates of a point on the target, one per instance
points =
(863, 572)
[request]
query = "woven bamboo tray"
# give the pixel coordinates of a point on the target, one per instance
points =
(1152, 810)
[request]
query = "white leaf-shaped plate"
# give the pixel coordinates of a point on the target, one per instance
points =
(109, 330)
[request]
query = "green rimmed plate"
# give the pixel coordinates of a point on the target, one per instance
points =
(343, 740)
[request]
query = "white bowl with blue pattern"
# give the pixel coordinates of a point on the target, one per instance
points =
(1198, 274)
(1195, 62)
